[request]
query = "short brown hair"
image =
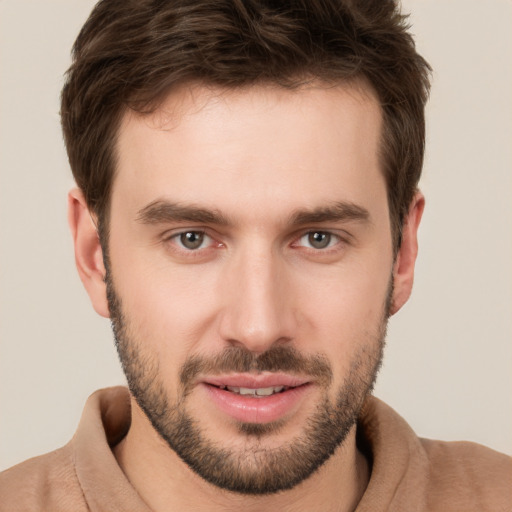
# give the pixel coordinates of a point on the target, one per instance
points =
(131, 53)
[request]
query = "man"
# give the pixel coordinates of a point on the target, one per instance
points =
(246, 214)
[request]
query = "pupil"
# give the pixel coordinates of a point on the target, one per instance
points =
(192, 239)
(319, 240)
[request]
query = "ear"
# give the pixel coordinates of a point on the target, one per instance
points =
(403, 269)
(88, 253)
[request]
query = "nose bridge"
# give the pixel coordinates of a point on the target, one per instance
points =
(255, 312)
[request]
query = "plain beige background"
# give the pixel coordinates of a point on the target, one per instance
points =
(449, 356)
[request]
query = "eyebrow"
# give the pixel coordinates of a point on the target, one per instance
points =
(162, 211)
(337, 212)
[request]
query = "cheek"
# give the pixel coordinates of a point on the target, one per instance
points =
(345, 315)
(171, 309)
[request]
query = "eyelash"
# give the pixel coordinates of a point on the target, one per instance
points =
(174, 240)
(332, 237)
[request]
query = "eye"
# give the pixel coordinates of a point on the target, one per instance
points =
(318, 240)
(192, 240)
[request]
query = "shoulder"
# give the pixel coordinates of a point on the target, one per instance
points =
(43, 483)
(468, 474)
(411, 473)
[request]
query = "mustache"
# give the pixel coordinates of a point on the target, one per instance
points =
(240, 360)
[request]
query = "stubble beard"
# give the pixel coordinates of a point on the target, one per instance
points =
(254, 469)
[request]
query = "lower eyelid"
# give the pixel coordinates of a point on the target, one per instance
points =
(210, 242)
(335, 239)
(173, 238)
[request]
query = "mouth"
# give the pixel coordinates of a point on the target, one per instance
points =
(256, 398)
(256, 392)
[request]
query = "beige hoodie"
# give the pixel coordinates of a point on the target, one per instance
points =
(408, 474)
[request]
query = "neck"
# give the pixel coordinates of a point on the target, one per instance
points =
(165, 482)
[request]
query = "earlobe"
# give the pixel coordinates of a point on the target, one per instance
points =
(403, 269)
(88, 252)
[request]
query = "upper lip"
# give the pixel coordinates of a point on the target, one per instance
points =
(255, 381)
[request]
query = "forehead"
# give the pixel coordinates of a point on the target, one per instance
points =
(233, 149)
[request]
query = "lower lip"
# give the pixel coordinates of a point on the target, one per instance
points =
(257, 410)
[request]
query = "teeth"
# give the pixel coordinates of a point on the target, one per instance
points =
(255, 392)
(269, 391)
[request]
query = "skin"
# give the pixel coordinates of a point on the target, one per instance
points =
(256, 156)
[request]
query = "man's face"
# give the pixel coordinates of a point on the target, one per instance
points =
(250, 263)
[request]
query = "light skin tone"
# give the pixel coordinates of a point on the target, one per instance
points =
(251, 175)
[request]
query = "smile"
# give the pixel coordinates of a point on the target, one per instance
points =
(255, 393)
(256, 398)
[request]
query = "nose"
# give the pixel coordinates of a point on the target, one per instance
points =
(258, 308)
